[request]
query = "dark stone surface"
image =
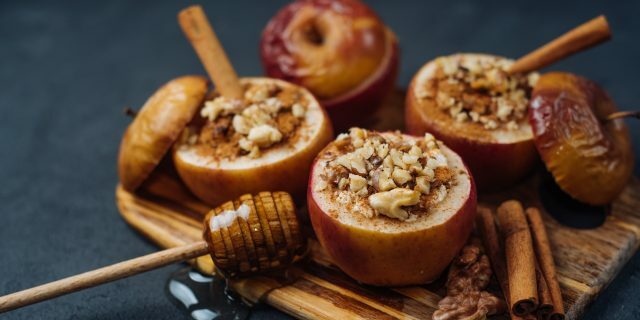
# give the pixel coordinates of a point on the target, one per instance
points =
(68, 69)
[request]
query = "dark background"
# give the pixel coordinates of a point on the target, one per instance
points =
(67, 70)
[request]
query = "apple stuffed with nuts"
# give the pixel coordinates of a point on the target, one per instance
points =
(589, 155)
(475, 107)
(391, 209)
(340, 50)
(265, 141)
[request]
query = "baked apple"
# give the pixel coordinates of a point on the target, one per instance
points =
(340, 50)
(156, 126)
(265, 141)
(477, 109)
(589, 156)
(390, 209)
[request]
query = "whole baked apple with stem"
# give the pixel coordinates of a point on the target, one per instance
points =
(391, 209)
(478, 109)
(587, 151)
(340, 50)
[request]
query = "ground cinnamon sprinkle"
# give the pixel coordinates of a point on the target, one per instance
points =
(268, 116)
(479, 90)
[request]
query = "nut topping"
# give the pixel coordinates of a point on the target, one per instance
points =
(469, 276)
(267, 115)
(264, 135)
(388, 174)
(213, 108)
(298, 110)
(357, 183)
(479, 90)
(389, 203)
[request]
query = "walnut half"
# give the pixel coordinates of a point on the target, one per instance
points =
(466, 299)
(389, 203)
(472, 306)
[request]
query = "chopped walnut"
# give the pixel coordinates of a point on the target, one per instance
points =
(220, 106)
(267, 115)
(396, 178)
(473, 306)
(469, 275)
(259, 93)
(264, 135)
(357, 183)
(479, 90)
(298, 110)
(390, 203)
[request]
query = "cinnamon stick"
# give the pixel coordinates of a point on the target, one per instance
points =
(580, 38)
(493, 246)
(520, 258)
(624, 114)
(545, 258)
(545, 308)
(495, 251)
(196, 27)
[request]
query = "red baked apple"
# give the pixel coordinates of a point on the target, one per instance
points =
(589, 156)
(265, 141)
(470, 103)
(391, 209)
(340, 50)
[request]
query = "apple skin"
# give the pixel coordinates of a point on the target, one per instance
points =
(214, 186)
(156, 126)
(393, 259)
(358, 105)
(349, 75)
(494, 165)
(590, 157)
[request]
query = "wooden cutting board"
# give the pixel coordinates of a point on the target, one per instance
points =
(587, 258)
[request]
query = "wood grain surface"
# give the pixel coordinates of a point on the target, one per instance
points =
(587, 258)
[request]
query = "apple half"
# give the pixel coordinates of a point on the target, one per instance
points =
(340, 50)
(497, 158)
(589, 156)
(280, 167)
(383, 251)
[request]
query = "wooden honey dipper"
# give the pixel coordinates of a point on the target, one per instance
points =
(250, 235)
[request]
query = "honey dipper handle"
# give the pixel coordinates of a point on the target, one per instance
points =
(103, 275)
(580, 38)
(196, 27)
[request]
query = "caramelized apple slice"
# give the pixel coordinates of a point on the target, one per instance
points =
(590, 157)
(156, 126)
